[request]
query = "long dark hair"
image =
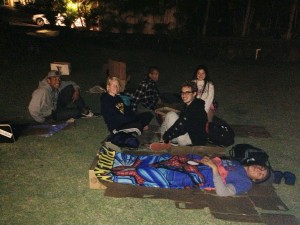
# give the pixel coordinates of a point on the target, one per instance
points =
(206, 79)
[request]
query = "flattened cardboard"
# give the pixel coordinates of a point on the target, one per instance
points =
(265, 197)
(279, 219)
(240, 208)
(250, 131)
(237, 208)
(238, 218)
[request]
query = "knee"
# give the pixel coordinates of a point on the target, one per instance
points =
(171, 116)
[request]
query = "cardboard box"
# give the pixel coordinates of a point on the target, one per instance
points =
(123, 85)
(64, 67)
(117, 69)
(94, 183)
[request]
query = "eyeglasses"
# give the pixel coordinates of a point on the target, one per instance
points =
(186, 92)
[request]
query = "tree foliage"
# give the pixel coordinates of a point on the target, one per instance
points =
(196, 18)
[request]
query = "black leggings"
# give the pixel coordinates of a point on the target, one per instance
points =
(143, 119)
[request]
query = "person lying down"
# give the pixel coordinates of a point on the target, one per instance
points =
(226, 177)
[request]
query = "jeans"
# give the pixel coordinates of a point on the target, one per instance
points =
(169, 120)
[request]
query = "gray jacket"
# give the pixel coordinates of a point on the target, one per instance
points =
(41, 104)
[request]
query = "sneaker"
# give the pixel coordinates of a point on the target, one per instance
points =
(174, 144)
(128, 130)
(89, 113)
(159, 146)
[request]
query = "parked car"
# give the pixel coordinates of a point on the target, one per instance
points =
(41, 20)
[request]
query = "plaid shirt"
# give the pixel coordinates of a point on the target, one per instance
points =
(147, 93)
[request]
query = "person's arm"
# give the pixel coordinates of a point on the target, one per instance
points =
(75, 94)
(222, 189)
(152, 95)
(138, 95)
(75, 86)
(40, 106)
(210, 96)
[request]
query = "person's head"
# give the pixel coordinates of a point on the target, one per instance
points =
(154, 73)
(188, 92)
(53, 79)
(258, 173)
(201, 73)
(113, 86)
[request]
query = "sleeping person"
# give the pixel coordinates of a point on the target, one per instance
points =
(226, 177)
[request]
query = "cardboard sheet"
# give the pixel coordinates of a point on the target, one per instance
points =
(250, 131)
(241, 208)
(260, 205)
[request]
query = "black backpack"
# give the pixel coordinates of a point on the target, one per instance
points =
(220, 133)
(247, 154)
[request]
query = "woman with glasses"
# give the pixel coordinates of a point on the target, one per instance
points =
(188, 128)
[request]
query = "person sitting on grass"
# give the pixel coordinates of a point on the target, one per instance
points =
(206, 90)
(226, 176)
(117, 115)
(188, 128)
(146, 96)
(50, 100)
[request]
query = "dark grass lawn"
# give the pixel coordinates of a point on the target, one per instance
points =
(44, 180)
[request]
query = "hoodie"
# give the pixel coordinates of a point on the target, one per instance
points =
(42, 104)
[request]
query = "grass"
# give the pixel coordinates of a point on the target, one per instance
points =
(45, 180)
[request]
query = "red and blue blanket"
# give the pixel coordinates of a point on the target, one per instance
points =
(164, 171)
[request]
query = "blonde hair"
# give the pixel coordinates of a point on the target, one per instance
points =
(110, 79)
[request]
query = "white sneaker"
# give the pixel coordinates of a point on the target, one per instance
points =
(88, 114)
(128, 130)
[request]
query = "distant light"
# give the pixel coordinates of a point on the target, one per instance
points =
(257, 53)
(72, 6)
(44, 33)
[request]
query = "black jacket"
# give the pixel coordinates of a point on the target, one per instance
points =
(193, 120)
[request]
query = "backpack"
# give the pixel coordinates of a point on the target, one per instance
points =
(220, 133)
(247, 154)
(124, 140)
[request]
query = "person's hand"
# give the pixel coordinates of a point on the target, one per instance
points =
(208, 162)
(75, 95)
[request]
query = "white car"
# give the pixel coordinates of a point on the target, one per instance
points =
(40, 19)
(78, 22)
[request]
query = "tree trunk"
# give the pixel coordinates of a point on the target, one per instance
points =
(246, 21)
(292, 16)
(206, 18)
